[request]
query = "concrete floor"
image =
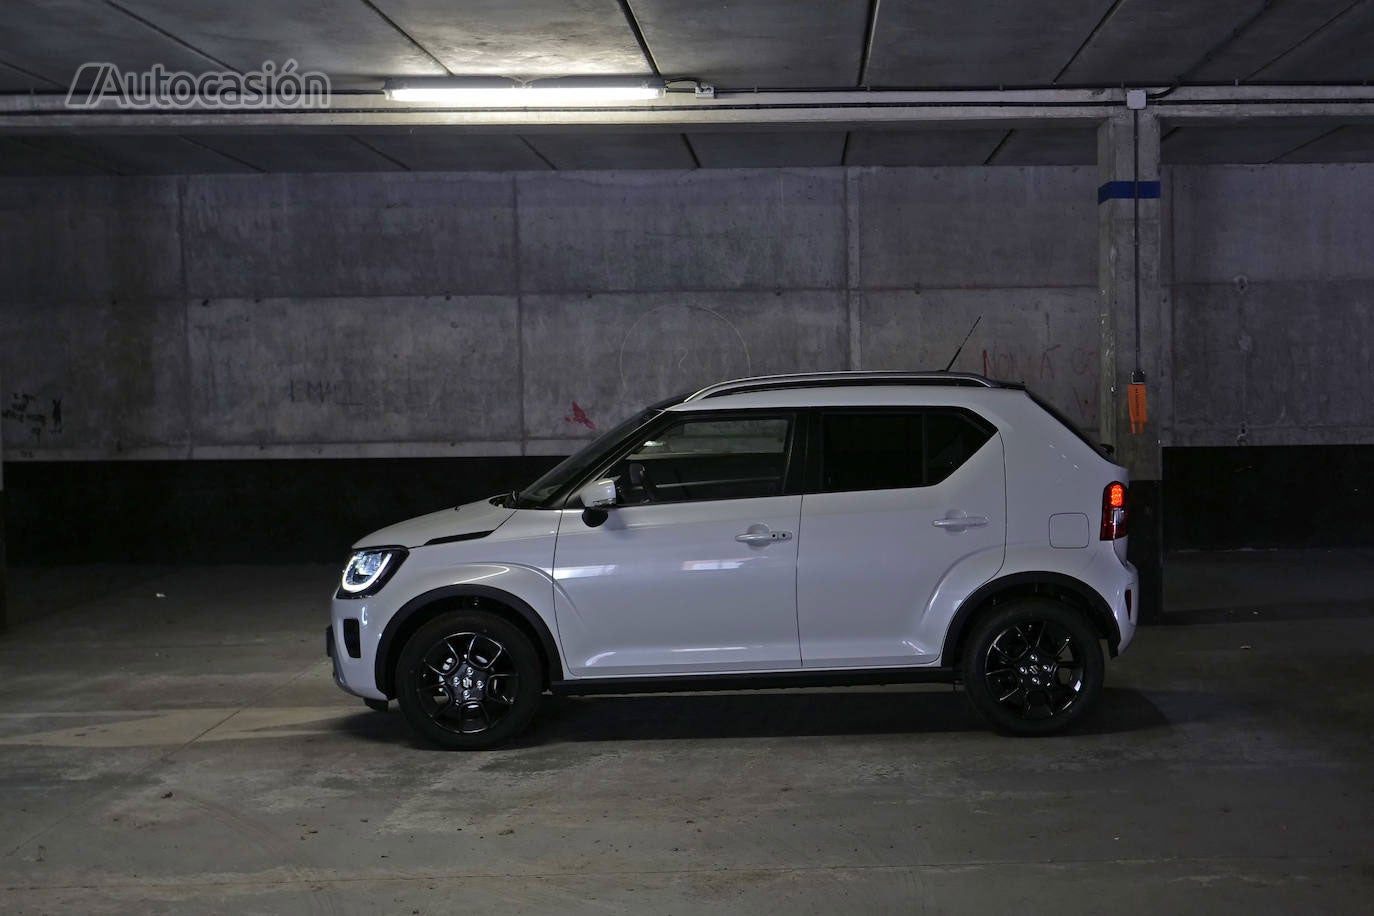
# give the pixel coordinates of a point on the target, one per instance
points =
(170, 742)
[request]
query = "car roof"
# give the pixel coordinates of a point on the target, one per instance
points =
(832, 387)
(845, 379)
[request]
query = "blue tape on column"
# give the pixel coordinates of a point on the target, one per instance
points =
(1125, 190)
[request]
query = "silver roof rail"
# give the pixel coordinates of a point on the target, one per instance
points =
(823, 379)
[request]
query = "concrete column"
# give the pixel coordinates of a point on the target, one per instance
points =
(1128, 240)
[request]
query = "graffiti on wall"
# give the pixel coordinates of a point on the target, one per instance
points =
(36, 416)
(1067, 375)
(323, 391)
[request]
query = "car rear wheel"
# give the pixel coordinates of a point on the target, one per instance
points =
(1033, 667)
(468, 680)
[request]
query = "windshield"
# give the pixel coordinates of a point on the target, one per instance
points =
(575, 465)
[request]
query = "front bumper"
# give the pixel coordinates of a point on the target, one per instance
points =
(341, 667)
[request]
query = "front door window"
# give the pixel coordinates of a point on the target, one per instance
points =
(704, 459)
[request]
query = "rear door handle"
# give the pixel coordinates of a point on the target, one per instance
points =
(756, 538)
(953, 522)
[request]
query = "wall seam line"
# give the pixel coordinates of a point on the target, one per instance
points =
(519, 311)
(188, 405)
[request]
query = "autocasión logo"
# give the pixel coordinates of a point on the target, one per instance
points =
(270, 86)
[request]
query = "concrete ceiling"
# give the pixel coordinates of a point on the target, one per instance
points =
(769, 44)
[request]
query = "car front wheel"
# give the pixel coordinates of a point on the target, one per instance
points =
(1033, 667)
(468, 680)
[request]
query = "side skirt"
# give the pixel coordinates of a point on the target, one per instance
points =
(768, 681)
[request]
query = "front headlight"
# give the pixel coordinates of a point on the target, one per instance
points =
(368, 570)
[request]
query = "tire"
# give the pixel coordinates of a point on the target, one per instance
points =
(1033, 667)
(478, 654)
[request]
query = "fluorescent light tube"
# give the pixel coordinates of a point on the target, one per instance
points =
(487, 92)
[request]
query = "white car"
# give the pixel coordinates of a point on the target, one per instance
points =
(806, 530)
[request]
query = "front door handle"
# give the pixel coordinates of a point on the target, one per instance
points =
(762, 536)
(957, 521)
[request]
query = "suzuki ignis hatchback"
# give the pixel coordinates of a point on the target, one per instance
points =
(825, 529)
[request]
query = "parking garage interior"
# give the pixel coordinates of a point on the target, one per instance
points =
(235, 339)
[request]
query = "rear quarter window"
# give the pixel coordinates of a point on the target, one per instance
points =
(895, 449)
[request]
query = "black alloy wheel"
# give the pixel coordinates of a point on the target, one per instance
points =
(1033, 666)
(469, 680)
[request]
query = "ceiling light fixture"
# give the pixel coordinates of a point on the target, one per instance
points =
(487, 91)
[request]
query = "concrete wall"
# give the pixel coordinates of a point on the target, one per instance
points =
(1272, 286)
(430, 314)
(503, 314)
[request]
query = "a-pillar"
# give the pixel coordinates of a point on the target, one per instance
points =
(1132, 345)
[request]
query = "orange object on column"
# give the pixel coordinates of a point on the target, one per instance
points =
(1135, 402)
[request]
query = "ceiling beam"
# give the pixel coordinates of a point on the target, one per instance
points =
(998, 148)
(153, 26)
(1304, 40)
(870, 35)
(1246, 25)
(219, 152)
(376, 152)
(691, 151)
(1087, 40)
(47, 113)
(1306, 143)
(542, 158)
(6, 65)
(633, 22)
(396, 27)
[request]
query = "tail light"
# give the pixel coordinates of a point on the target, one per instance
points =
(1114, 511)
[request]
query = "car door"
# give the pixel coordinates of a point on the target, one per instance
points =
(694, 570)
(900, 504)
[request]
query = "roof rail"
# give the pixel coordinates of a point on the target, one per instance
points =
(836, 379)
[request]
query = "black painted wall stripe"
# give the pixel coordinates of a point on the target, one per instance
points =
(313, 510)
(262, 511)
(1268, 496)
(4, 567)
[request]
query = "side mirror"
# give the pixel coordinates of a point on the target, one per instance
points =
(597, 497)
(599, 494)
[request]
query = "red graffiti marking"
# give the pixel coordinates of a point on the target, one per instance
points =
(580, 416)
